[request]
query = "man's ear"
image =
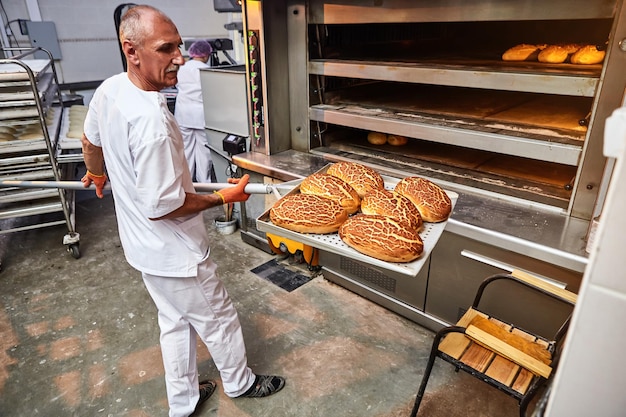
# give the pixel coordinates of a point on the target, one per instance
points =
(131, 52)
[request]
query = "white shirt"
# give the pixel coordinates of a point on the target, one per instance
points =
(189, 109)
(147, 169)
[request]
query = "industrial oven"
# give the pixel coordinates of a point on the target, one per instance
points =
(520, 142)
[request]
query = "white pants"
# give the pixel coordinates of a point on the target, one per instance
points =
(198, 306)
(197, 153)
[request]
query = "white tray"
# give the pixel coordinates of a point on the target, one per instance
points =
(430, 234)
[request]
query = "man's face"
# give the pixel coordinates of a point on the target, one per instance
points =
(160, 56)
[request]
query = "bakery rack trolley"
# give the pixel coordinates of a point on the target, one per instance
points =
(31, 111)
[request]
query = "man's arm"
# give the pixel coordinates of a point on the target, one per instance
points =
(195, 203)
(94, 161)
(93, 156)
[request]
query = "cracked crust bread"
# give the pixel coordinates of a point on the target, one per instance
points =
(334, 188)
(362, 178)
(431, 200)
(381, 237)
(305, 213)
(391, 204)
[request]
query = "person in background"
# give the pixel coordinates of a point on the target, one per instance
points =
(159, 214)
(189, 112)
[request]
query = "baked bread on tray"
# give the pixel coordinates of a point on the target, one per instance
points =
(391, 204)
(431, 200)
(304, 213)
(362, 178)
(381, 237)
(334, 188)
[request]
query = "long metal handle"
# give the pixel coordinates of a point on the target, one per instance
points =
(78, 186)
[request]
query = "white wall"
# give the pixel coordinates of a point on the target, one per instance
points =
(590, 380)
(86, 30)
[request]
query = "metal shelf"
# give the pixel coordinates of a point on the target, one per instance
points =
(569, 80)
(468, 136)
(31, 103)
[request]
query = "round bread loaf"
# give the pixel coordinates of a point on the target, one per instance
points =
(334, 188)
(397, 140)
(376, 138)
(588, 55)
(391, 204)
(381, 237)
(362, 178)
(431, 200)
(305, 213)
(522, 52)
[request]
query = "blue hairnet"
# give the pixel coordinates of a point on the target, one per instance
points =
(199, 49)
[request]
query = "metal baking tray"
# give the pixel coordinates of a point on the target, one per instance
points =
(430, 234)
(11, 71)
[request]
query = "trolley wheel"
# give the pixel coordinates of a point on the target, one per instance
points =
(74, 250)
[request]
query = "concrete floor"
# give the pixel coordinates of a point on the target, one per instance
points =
(79, 337)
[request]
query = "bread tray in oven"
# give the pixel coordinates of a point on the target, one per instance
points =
(430, 234)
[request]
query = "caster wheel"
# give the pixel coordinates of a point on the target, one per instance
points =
(73, 249)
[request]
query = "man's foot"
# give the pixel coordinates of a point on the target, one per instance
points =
(207, 388)
(263, 386)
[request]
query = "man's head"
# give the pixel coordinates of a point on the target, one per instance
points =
(151, 43)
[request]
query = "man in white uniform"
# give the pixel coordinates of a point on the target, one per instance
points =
(160, 216)
(189, 112)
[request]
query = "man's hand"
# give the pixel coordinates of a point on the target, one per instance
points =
(97, 180)
(235, 194)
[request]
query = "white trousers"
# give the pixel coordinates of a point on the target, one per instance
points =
(197, 153)
(198, 306)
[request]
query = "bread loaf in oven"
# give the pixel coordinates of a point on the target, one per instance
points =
(522, 52)
(328, 186)
(377, 138)
(397, 140)
(304, 213)
(391, 204)
(362, 178)
(381, 237)
(431, 200)
(588, 55)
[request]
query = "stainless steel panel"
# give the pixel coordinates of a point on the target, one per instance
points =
(225, 100)
(410, 290)
(459, 75)
(454, 279)
(381, 11)
(420, 127)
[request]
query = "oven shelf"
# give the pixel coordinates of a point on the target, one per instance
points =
(486, 138)
(566, 79)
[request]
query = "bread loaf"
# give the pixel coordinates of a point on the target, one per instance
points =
(557, 54)
(587, 55)
(362, 178)
(397, 140)
(376, 138)
(328, 186)
(553, 54)
(431, 200)
(304, 213)
(391, 204)
(522, 52)
(382, 238)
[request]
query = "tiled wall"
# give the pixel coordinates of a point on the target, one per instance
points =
(87, 37)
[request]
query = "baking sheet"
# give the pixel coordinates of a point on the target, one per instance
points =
(430, 234)
(11, 71)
